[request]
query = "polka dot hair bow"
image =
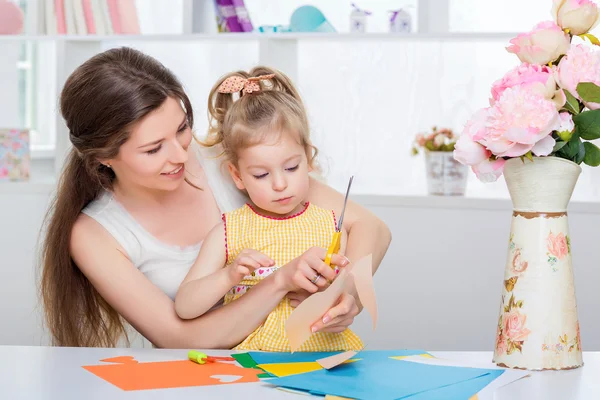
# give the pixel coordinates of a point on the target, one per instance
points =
(234, 84)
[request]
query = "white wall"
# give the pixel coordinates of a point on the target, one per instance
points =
(438, 288)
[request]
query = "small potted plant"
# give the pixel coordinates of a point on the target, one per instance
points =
(445, 175)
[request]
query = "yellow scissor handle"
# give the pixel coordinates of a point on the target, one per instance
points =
(334, 247)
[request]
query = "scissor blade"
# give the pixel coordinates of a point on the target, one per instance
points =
(339, 227)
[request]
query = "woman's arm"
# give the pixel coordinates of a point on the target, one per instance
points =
(152, 313)
(366, 233)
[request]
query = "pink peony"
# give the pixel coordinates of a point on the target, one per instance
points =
(566, 122)
(579, 16)
(514, 326)
(519, 122)
(557, 245)
(420, 139)
(580, 64)
(537, 78)
(544, 44)
(466, 150)
(489, 171)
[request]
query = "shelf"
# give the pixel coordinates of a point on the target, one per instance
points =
(452, 36)
(42, 185)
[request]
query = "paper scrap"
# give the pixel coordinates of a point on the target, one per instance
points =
(363, 281)
(313, 308)
(128, 374)
(310, 310)
(334, 361)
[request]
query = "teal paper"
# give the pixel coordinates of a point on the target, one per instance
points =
(379, 379)
(277, 358)
(460, 391)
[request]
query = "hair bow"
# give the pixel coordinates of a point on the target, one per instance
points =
(236, 83)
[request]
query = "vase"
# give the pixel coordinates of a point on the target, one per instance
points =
(538, 326)
(445, 175)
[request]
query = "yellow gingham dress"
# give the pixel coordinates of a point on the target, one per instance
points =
(282, 239)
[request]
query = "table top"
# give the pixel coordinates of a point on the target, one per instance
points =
(39, 372)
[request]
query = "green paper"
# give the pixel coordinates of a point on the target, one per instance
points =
(246, 361)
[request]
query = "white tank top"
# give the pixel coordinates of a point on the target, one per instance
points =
(163, 264)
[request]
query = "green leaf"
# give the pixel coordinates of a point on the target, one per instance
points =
(571, 149)
(580, 154)
(592, 155)
(572, 103)
(558, 146)
(593, 39)
(588, 124)
(589, 92)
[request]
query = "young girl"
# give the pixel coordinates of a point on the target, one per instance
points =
(265, 139)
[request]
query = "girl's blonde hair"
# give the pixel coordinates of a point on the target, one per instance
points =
(252, 118)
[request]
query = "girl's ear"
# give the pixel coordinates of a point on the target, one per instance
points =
(235, 175)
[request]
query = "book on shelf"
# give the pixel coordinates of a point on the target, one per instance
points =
(87, 17)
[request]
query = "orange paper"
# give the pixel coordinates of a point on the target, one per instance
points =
(128, 374)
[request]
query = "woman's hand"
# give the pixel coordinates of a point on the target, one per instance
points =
(339, 317)
(308, 272)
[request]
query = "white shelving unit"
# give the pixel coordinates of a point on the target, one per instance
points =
(279, 50)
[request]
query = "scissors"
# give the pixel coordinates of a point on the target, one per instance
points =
(334, 247)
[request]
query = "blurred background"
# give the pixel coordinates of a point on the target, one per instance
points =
(370, 85)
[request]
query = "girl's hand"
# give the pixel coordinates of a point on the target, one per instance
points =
(245, 263)
(308, 272)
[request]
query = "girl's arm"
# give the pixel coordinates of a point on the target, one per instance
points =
(151, 312)
(207, 281)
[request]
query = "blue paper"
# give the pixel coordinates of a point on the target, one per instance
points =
(379, 379)
(460, 391)
(277, 358)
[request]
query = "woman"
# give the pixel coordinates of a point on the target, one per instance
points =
(133, 207)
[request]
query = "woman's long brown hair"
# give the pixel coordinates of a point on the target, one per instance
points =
(100, 102)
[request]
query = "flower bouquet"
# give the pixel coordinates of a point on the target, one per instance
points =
(546, 106)
(445, 175)
(536, 132)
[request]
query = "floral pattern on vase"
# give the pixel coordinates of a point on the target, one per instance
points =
(512, 324)
(559, 246)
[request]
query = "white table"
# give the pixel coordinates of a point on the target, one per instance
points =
(57, 373)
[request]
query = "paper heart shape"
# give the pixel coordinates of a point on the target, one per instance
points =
(226, 378)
